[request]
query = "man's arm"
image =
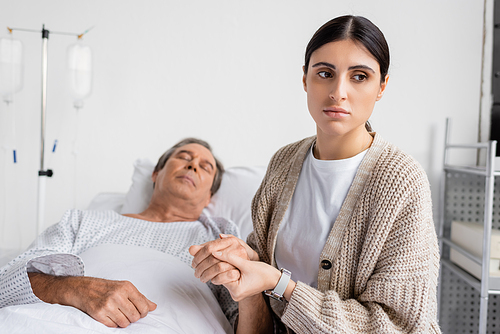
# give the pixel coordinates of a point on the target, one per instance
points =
(52, 252)
(113, 303)
(254, 316)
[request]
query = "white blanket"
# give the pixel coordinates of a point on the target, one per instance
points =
(185, 305)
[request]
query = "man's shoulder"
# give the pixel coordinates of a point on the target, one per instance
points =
(220, 225)
(76, 217)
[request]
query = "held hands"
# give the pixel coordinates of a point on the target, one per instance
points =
(113, 303)
(207, 267)
(255, 276)
(231, 262)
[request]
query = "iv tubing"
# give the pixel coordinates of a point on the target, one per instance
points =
(75, 152)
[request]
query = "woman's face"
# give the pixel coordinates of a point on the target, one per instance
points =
(342, 84)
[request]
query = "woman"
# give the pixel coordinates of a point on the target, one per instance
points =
(347, 213)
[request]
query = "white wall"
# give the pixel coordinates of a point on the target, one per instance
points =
(225, 71)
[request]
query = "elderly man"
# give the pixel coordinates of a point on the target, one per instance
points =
(185, 178)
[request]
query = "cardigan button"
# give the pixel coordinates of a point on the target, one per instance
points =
(325, 264)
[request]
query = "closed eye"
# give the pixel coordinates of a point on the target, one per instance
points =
(184, 156)
(207, 168)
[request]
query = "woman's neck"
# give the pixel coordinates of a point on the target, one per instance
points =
(341, 147)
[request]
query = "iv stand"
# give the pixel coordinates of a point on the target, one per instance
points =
(43, 174)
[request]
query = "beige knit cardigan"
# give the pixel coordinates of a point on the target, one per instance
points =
(383, 247)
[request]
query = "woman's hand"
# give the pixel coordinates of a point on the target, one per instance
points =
(207, 267)
(255, 276)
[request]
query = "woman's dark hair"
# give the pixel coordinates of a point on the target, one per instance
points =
(219, 167)
(358, 29)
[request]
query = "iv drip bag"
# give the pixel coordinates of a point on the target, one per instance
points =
(11, 67)
(79, 65)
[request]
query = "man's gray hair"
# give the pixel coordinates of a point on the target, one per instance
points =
(219, 167)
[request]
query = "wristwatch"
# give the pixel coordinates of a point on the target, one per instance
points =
(279, 290)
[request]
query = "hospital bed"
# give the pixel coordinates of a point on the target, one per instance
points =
(185, 305)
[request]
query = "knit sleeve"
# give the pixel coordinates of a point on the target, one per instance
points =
(396, 275)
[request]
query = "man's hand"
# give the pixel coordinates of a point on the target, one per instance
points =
(113, 303)
(207, 267)
(255, 277)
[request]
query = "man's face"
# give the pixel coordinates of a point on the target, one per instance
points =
(188, 174)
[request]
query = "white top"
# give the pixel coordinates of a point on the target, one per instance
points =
(321, 189)
(56, 250)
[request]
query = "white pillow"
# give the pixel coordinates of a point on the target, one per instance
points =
(141, 190)
(232, 201)
(107, 201)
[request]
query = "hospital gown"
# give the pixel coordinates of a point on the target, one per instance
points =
(56, 250)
